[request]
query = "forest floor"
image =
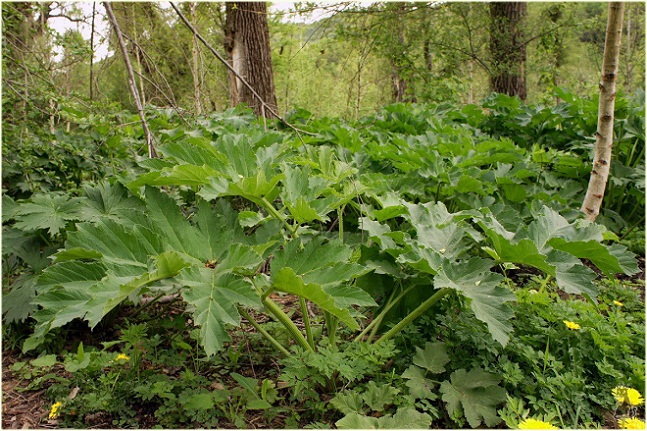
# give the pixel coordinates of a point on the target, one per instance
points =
(23, 408)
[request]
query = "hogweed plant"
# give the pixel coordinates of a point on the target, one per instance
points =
(368, 228)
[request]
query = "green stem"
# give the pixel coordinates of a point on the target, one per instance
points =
(331, 325)
(340, 217)
(306, 321)
(270, 208)
(377, 321)
(263, 332)
(145, 306)
(288, 323)
(415, 314)
(642, 219)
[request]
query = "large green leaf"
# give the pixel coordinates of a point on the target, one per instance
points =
(51, 212)
(165, 265)
(286, 280)
(253, 188)
(611, 261)
(125, 249)
(509, 248)
(17, 303)
(476, 394)
(107, 201)
(178, 175)
(171, 225)
(59, 306)
(218, 226)
(571, 275)
(474, 280)
(214, 295)
(419, 386)
(302, 195)
(74, 275)
(315, 254)
(439, 230)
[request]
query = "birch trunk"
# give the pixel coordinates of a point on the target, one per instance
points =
(604, 135)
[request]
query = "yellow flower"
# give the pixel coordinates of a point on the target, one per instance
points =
(54, 412)
(618, 303)
(631, 424)
(625, 395)
(122, 357)
(571, 325)
(534, 424)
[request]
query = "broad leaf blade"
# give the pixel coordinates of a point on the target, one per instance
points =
(214, 296)
(285, 280)
(49, 212)
(474, 279)
(176, 230)
(433, 358)
(476, 394)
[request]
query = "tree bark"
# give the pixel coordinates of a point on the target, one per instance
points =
(195, 70)
(398, 81)
(247, 43)
(507, 48)
(604, 134)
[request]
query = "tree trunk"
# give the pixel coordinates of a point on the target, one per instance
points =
(604, 134)
(398, 81)
(508, 49)
(247, 43)
(195, 70)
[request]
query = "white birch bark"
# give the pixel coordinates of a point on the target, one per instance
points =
(604, 135)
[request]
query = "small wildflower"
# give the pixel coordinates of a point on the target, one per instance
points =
(571, 325)
(54, 412)
(631, 424)
(122, 357)
(534, 424)
(625, 395)
(618, 303)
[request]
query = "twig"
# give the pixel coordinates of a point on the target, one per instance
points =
(131, 80)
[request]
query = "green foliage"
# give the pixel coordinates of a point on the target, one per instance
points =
(474, 394)
(549, 371)
(414, 214)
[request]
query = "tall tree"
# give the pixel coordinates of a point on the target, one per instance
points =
(604, 134)
(508, 49)
(247, 43)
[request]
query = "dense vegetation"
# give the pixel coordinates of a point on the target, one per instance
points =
(416, 265)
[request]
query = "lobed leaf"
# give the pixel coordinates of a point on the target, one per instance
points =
(475, 394)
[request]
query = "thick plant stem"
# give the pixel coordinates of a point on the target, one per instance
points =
(306, 321)
(377, 321)
(331, 326)
(270, 208)
(288, 323)
(263, 332)
(415, 314)
(604, 135)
